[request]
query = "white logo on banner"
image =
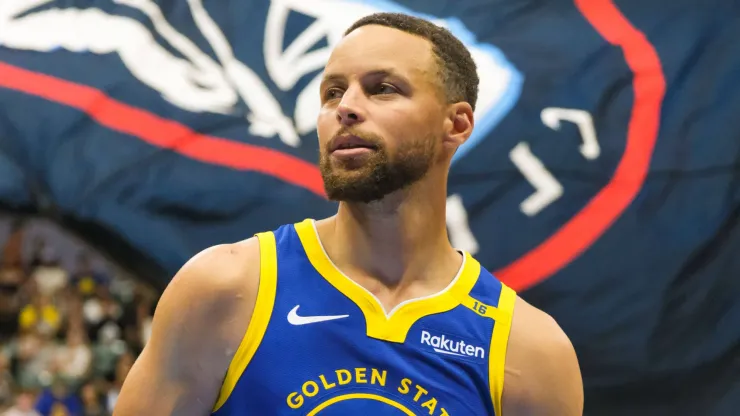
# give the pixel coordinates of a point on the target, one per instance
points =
(194, 81)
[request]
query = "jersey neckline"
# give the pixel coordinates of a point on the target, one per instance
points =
(393, 326)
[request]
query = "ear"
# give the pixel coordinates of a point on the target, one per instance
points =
(458, 124)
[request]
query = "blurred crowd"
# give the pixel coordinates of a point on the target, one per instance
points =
(68, 336)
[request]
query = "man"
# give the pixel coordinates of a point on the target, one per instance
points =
(369, 312)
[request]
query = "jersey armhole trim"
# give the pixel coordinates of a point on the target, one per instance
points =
(260, 317)
(499, 343)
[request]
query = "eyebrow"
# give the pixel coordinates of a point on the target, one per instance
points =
(378, 73)
(331, 79)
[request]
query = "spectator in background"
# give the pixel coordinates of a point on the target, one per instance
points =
(23, 406)
(123, 366)
(58, 400)
(102, 312)
(6, 382)
(74, 359)
(136, 319)
(85, 279)
(50, 277)
(71, 335)
(33, 353)
(12, 280)
(45, 269)
(92, 401)
(40, 315)
(144, 312)
(13, 248)
(107, 352)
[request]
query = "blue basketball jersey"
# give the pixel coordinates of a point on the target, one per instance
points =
(320, 344)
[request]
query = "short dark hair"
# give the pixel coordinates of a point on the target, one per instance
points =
(457, 70)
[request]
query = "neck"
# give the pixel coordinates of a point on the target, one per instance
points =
(397, 241)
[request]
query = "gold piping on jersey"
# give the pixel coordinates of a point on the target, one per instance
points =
(260, 317)
(499, 342)
(393, 327)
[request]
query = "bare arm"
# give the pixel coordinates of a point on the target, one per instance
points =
(542, 376)
(197, 327)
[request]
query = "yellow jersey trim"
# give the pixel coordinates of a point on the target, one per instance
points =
(395, 326)
(367, 396)
(260, 317)
(499, 342)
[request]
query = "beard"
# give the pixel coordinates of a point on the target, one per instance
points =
(378, 174)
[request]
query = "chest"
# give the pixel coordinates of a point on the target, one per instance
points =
(327, 363)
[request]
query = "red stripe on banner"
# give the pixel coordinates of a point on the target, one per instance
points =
(161, 132)
(599, 214)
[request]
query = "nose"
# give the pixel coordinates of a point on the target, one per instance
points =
(350, 110)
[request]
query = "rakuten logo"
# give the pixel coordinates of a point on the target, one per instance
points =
(444, 345)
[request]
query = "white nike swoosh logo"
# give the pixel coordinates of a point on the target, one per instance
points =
(294, 319)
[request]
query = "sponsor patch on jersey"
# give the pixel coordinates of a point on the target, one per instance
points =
(450, 345)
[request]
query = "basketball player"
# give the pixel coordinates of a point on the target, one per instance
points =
(371, 311)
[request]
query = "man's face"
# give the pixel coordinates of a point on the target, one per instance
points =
(380, 125)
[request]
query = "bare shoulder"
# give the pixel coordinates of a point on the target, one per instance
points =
(220, 271)
(542, 375)
(216, 279)
(198, 325)
(212, 288)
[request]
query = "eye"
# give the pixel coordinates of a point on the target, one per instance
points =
(332, 93)
(385, 89)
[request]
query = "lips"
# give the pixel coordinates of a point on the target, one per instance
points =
(350, 142)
